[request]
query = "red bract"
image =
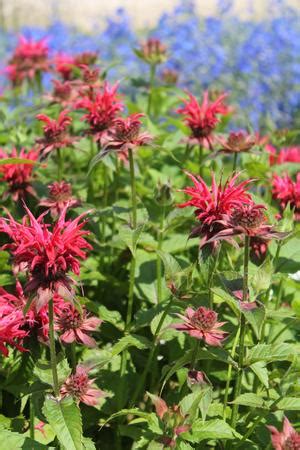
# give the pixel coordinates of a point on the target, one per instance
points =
(18, 176)
(47, 255)
(287, 192)
(64, 65)
(237, 142)
(258, 249)
(86, 58)
(203, 119)
(285, 155)
(81, 388)
(101, 110)
(212, 203)
(172, 418)
(202, 324)
(29, 58)
(126, 134)
(75, 326)
(287, 439)
(246, 220)
(63, 93)
(55, 133)
(10, 331)
(60, 197)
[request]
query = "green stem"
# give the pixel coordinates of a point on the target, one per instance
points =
(229, 372)
(60, 165)
(151, 84)
(90, 187)
(73, 356)
(235, 157)
(200, 160)
(195, 354)
(133, 189)
(211, 277)
(130, 294)
(148, 365)
(158, 261)
(238, 385)
(31, 418)
(52, 348)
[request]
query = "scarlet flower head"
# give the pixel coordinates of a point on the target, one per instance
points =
(81, 388)
(202, 324)
(212, 203)
(63, 93)
(75, 326)
(173, 420)
(125, 134)
(287, 192)
(18, 176)
(64, 65)
(101, 110)
(203, 119)
(11, 332)
(86, 58)
(258, 249)
(153, 51)
(237, 142)
(30, 57)
(55, 133)
(285, 155)
(48, 255)
(60, 197)
(287, 439)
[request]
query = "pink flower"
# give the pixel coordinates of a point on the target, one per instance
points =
(212, 203)
(48, 255)
(75, 326)
(29, 58)
(11, 332)
(202, 324)
(125, 134)
(287, 192)
(64, 65)
(86, 58)
(55, 133)
(203, 119)
(287, 439)
(101, 110)
(247, 220)
(196, 377)
(18, 176)
(237, 142)
(63, 93)
(285, 155)
(60, 197)
(81, 388)
(173, 420)
(258, 249)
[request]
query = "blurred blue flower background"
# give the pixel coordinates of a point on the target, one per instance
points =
(258, 62)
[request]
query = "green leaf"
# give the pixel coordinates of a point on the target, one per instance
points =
(88, 444)
(252, 400)
(212, 429)
(289, 404)
(132, 340)
(18, 161)
(131, 237)
(43, 372)
(262, 277)
(256, 318)
(17, 441)
(113, 317)
(65, 419)
(260, 370)
(150, 418)
(271, 352)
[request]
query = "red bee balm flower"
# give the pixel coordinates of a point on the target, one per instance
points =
(29, 58)
(63, 93)
(285, 155)
(212, 203)
(64, 65)
(60, 196)
(81, 388)
(55, 133)
(287, 439)
(153, 51)
(287, 191)
(203, 119)
(125, 134)
(18, 176)
(11, 332)
(102, 110)
(47, 255)
(75, 326)
(202, 324)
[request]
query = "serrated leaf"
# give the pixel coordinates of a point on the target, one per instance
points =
(65, 419)
(17, 441)
(260, 370)
(249, 399)
(132, 340)
(255, 317)
(289, 404)
(88, 444)
(212, 429)
(271, 352)
(131, 237)
(150, 418)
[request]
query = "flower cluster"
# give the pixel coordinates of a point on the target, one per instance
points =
(287, 192)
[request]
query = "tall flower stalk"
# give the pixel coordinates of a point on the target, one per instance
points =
(52, 348)
(243, 329)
